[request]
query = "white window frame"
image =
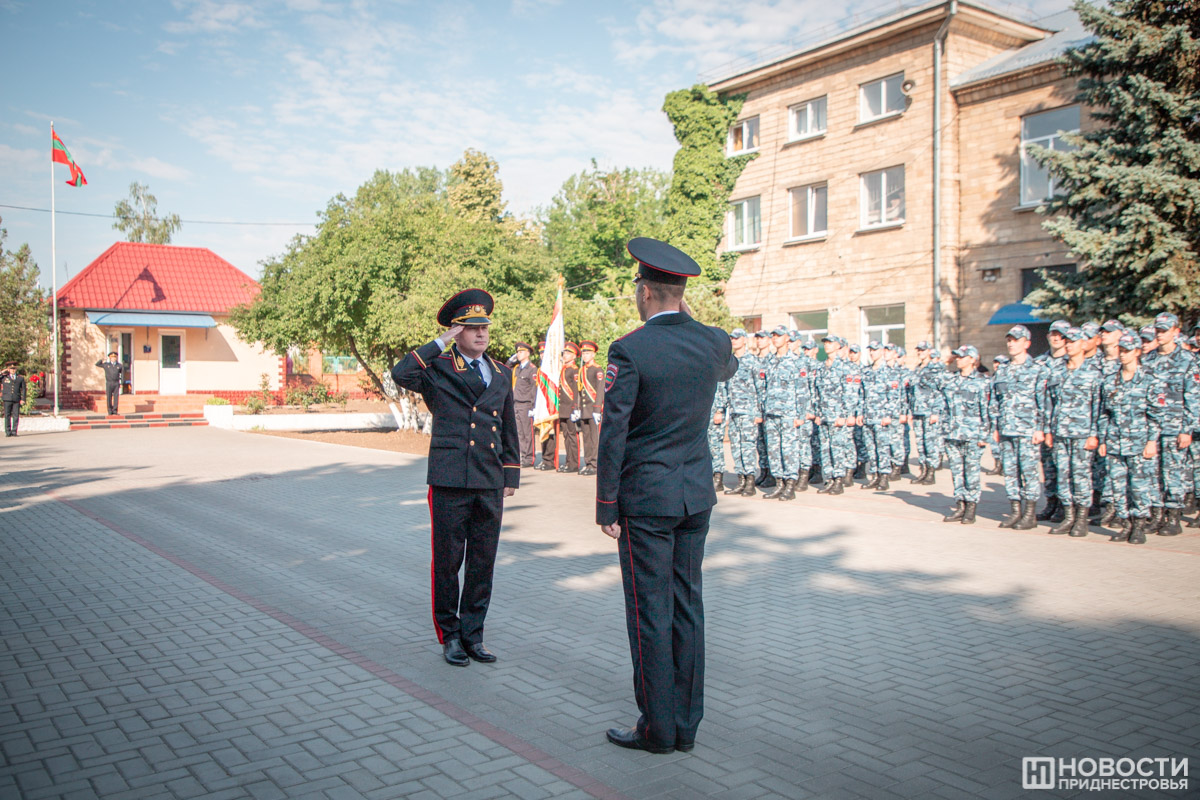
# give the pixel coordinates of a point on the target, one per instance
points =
(733, 238)
(864, 200)
(1048, 142)
(864, 110)
(880, 332)
(796, 135)
(811, 234)
(748, 125)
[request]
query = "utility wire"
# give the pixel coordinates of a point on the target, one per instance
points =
(159, 219)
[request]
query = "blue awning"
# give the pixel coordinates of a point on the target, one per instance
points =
(150, 319)
(1017, 314)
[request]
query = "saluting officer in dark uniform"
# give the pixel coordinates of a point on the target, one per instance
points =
(655, 494)
(568, 410)
(114, 375)
(524, 380)
(472, 466)
(12, 394)
(590, 383)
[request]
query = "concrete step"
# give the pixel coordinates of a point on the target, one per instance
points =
(94, 422)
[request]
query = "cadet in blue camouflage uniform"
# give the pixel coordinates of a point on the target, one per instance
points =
(780, 411)
(1194, 450)
(881, 414)
(806, 367)
(1074, 426)
(761, 344)
(1129, 431)
(744, 412)
(905, 430)
(1053, 361)
(717, 425)
(968, 424)
(928, 409)
(816, 473)
(1020, 410)
(999, 362)
(834, 385)
(896, 430)
(1179, 400)
(854, 356)
(1109, 363)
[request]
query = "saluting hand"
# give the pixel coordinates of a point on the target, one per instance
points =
(451, 334)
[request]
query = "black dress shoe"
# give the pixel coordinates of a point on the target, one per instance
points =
(587, 471)
(454, 654)
(628, 737)
(684, 747)
(480, 653)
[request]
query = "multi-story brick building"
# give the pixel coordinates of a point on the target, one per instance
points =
(865, 140)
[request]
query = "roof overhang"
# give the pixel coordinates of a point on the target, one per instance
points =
(879, 30)
(150, 319)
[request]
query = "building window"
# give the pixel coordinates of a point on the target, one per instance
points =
(882, 197)
(881, 98)
(752, 324)
(1045, 129)
(814, 324)
(338, 365)
(809, 210)
(746, 227)
(885, 323)
(807, 119)
(1031, 277)
(743, 137)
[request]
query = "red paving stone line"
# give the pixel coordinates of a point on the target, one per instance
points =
(515, 744)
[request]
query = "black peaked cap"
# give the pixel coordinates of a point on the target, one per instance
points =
(662, 262)
(468, 307)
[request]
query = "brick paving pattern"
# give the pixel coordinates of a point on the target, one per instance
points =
(202, 613)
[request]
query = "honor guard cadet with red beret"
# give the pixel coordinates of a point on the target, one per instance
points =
(568, 410)
(654, 492)
(590, 391)
(473, 466)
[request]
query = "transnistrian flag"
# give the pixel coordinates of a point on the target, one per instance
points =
(545, 406)
(60, 154)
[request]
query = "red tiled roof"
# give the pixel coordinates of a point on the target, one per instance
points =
(133, 276)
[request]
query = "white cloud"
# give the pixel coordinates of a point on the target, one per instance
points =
(157, 168)
(212, 16)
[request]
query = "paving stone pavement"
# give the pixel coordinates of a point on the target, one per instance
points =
(205, 613)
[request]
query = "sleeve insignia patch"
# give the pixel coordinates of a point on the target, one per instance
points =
(610, 376)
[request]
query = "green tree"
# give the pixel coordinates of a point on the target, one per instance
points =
(24, 312)
(1130, 201)
(475, 187)
(703, 176)
(137, 217)
(591, 219)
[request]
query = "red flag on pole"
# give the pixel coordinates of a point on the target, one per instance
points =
(60, 155)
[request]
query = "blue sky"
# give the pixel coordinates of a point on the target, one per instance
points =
(261, 111)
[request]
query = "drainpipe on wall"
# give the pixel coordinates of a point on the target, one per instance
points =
(939, 45)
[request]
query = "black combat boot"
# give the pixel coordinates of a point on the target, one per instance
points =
(960, 508)
(1068, 520)
(895, 473)
(904, 470)
(848, 478)
(1094, 510)
(1014, 514)
(718, 481)
(1052, 508)
(832, 486)
(930, 476)
(1138, 534)
(920, 476)
(802, 484)
(883, 485)
(741, 485)
(766, 480)
(871, 484)
(776, 492)
(1079, 528)
(748, 490)
(1121, 532)
(1028, 519)
(789, 490)
(815, 476)
(1194, 523)
(1156, 519)
(860, 470)
(1110, 514)
(1170, 525)
(968, 517)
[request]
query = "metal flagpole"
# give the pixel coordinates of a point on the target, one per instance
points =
(54, 276)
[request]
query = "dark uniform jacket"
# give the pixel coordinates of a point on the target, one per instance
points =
(568, 392)
(12, 388)
(524, 383)
(114, 371)
(474, 443)
(659, 387)
(591, 390)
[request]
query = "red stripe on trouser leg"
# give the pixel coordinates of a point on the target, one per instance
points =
(432, 573)
(636, 617)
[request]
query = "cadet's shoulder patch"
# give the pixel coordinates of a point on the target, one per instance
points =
(1161, 399)
(610, 376)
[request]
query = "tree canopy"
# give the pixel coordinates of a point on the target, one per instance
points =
(1129, 206)
(137, 217)
(24, 311)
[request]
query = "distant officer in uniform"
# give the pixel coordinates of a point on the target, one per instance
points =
(568, 410)
(1129, 431)
(1020, 411)
(780, 412)
(591, 405)
(1053, 361)
(12, 394)
(655, 496)
(745, 412)
(1180, 403)
(524, 380)
(473, 466)
(968, 424)
(114, 375)
(1074, 427)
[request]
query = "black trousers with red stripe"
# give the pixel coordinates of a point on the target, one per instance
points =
(664, 614)
(465, 525)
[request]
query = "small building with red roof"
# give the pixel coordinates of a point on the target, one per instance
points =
(165, 311)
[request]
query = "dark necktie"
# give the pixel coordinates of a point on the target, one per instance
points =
(478, 371)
